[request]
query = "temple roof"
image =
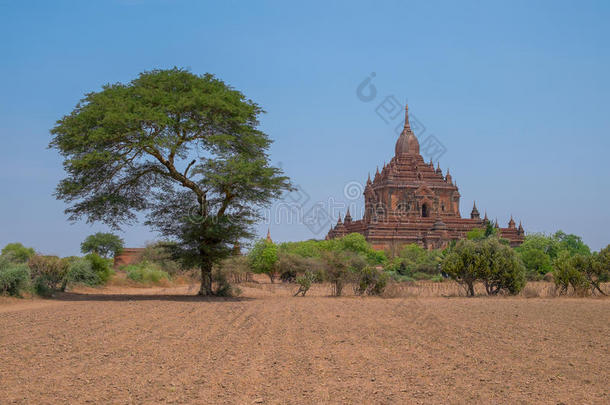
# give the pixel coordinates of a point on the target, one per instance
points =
(407, 143)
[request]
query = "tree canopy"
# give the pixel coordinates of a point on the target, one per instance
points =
(17, 253)
(102, 244)
(182, 148)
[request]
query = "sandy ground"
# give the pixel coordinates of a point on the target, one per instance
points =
(160, 345)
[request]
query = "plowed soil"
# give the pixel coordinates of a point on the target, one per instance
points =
(162, 345)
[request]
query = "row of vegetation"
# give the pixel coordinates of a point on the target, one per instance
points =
(482, 257)
(23, 271)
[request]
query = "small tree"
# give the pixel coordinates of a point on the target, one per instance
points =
(337, 270)
(568, 272)
(102, 244)
(461, 264)
(599, 270)
(499, 267)
(304, 281)
(49, 273)
(263, 258)
(17, 253)
(489, 261)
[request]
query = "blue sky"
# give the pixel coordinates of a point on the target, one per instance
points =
(516, 92)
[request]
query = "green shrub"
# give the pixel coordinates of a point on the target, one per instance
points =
(222, 284)
(17, 253)
(488, 260)
(337, 270)
(80, 271)
(421, 276)
(371, 281)
(305, 282)
(48, 273)
(101, 266)
(160, 253)
(146, 273)
(263, 258)
(14, 278)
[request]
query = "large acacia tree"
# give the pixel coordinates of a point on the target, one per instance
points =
(183, 149)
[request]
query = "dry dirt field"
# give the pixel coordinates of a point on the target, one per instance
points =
(160, 345)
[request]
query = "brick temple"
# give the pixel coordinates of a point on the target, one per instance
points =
(410, 201)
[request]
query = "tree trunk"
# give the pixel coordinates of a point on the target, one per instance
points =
(470, 289)
(206, 280)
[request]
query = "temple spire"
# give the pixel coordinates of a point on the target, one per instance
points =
(474, 214)
(269, 235)
(348, 217)
(407, 125)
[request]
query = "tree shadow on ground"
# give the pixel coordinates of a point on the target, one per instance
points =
(73, 296)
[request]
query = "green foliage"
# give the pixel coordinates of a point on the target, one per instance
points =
(224, 288)
(500, 268)
(182, 148)
(304, 281)
(49, 273)
(536, 261)
(80, 271)
(263, 258)
(17, 253)
(352, 243)
(102, 244)
(160, 253)
(488, 261)
(14, 277)
(421, 276)
(572, 243)
(582, 272)
(337, 270)
(601, 265)
(144, 272)
(476, 234)
(371, 281)
(101, 266)
(290, 266)
(415, 259)
(568, 271)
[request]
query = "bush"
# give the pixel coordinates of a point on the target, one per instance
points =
(263, 258)
(337, 270)
(235, 269)
(421, 276)
(305, 282)
(223, 286)
(14, 278)
(48, 273)
(17, 253)
(415, 259)
(80, 271)
(487, 260)
(371, 281)
(570, 271)
(101, 266)
(160, 253)
(146, 273)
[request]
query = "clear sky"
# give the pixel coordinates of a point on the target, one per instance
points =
(516, 93)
